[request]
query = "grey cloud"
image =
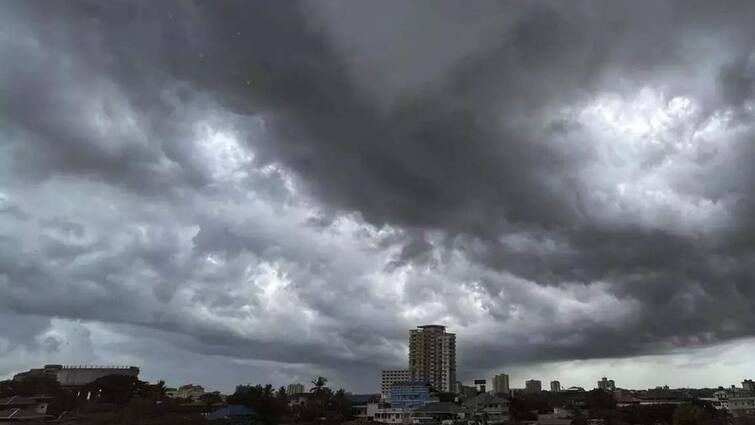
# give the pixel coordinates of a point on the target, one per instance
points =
(460, 156)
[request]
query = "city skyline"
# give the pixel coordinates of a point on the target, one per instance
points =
(268, 191)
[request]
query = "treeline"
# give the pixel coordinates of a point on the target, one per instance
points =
(110, 400)
(273, 406)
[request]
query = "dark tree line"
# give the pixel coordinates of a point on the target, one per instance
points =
(272, 406)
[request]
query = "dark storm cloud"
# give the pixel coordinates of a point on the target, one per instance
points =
(460, 146)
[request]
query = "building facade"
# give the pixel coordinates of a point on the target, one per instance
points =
(409, 395)
(388, 414)
(533, 386)
(190, 391)
(294, 389)
(432, 357)
(555, 386)
(481, 385)
(501, 384)
(72, 376)
(390, 377)
(487, 408)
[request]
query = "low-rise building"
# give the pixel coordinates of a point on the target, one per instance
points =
(24, 409)
(437, 413)
(188, 391)
(37, 403)
(487, 408)
(387, 414)
(409, 394)
(741, 406)
(390, 377)
(299, 400)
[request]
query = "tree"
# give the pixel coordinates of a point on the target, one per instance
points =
(263, 400)
(117, 389)
(318, 384)
(689, 414)
(281, 394)
(152, 392)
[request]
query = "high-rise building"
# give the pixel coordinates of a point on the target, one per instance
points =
(606, 384)
(481, 385)
(533, 386)
(432, 357)
(390, 377)
(555, 386)
(294, 389)
(501, 384)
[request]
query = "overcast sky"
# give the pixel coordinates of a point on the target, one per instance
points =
(233, 192)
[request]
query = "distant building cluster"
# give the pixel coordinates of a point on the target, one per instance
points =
(426, 392)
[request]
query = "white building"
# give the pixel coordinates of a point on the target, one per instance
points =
(388, 415)
(390, 377)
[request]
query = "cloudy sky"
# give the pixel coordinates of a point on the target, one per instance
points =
(231, 192)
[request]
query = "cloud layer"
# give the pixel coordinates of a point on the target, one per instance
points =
(285, 189)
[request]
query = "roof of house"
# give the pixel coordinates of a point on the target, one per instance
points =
(439, 407)
(301, 395)
(16, 401)
(229, 411)
(18, 413)
(484, 399)
(551, 420)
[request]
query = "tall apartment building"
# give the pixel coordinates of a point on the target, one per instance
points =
(555, 386)
(533, 386)
(432, 357)
(390, 377)
(294, 389)
(501, 384)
